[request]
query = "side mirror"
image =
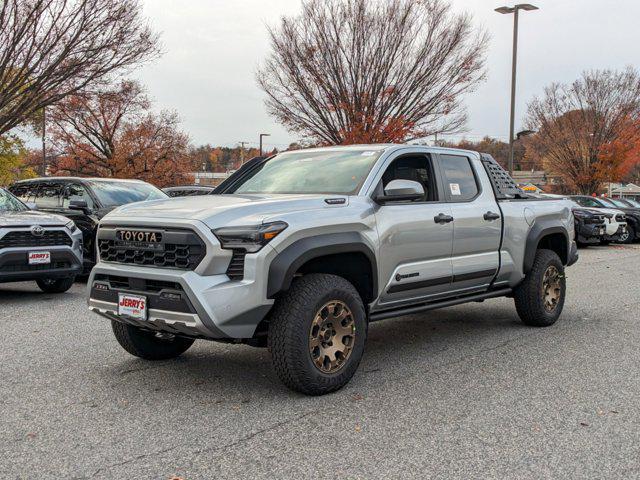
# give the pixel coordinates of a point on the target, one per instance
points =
(31, 206)
(79, 205)
(401, 190)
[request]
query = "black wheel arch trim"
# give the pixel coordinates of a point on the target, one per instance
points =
(541, 229)
(288, 262)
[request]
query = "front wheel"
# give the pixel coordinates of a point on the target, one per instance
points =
(55, 285)
(540, 297)
(149, 345)
(317, 334)
(628, 236)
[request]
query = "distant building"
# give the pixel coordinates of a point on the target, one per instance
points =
(210, 178)
(629, 190)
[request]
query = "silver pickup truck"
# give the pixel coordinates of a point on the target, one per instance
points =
(302, 250)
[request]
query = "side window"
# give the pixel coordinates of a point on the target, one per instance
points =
(459, 179)
(48, 195)
(26, 193)
(75, 191)
(419, 169)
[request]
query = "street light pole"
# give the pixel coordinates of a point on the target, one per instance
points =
(514, 59)
(263, 135)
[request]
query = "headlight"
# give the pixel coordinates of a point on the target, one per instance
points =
(250, 239)
(71, 226)
(582, 214)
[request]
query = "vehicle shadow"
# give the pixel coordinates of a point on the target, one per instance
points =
(243, 372)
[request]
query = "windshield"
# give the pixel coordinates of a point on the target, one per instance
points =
(633, 202)
(587, 202)
(9, 203)
(326, 171)
(619, 203)
(607, 202)
(114, 194)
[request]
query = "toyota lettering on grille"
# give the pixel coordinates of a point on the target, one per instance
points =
(139, 240)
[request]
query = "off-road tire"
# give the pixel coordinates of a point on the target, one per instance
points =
(631, 234)
(289, 333)
(146, 344)
(529, 296)
(56, 285)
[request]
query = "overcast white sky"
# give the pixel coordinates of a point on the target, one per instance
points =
(214, 46)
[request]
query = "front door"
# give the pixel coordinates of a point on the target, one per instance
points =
(415, 237)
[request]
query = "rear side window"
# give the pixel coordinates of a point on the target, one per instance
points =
(459, 179)
(49, 195)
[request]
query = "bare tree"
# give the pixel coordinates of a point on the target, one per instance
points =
(348, 71)
(52, 48)
(576, 123)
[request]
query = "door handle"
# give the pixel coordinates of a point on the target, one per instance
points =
(442, 218)
(491, 216)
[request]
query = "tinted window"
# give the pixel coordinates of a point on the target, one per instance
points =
(114, 194)
(460, 181)
(75, 191)
(49, 195)
(418, 169)
(25, 192)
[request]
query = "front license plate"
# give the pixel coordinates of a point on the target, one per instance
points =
(134, 306)
(39, 258)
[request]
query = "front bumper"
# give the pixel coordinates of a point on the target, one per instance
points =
(622, 229)
(590, 233)
(201, 303)
(66, 261)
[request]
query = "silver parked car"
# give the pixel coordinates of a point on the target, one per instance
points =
(37, 246)
(302, 250)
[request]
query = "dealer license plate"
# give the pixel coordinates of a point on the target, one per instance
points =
(134, 306)
(39, 258)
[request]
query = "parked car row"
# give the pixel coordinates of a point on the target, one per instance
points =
(43, 245)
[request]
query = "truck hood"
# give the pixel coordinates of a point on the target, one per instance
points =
(29, 218)
(222, 210)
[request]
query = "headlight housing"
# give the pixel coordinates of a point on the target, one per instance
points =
(71, 226)
(250, 239)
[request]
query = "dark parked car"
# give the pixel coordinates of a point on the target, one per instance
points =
(188, 190)
(590, 225)
(84, 200)
(632, 214)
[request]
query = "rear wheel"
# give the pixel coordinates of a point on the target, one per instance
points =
(149, 345)
(540, 297)
(55, 285)
(317, 334)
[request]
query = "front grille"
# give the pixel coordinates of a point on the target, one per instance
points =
(186, 255)
(51, 238)
(235, 270)
(595, 219)
(621, 218)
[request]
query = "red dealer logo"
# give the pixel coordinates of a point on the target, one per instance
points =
(132, 303)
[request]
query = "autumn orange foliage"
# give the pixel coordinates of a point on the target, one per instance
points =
(114, 133)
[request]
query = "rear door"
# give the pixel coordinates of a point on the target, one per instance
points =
(477, 223)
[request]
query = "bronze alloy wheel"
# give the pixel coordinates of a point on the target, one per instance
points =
(551, 288)
(331, 337)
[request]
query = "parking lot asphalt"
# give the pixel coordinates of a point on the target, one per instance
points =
(466, 392)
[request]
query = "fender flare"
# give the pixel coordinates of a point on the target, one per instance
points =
(288, 261)
(540, 230)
